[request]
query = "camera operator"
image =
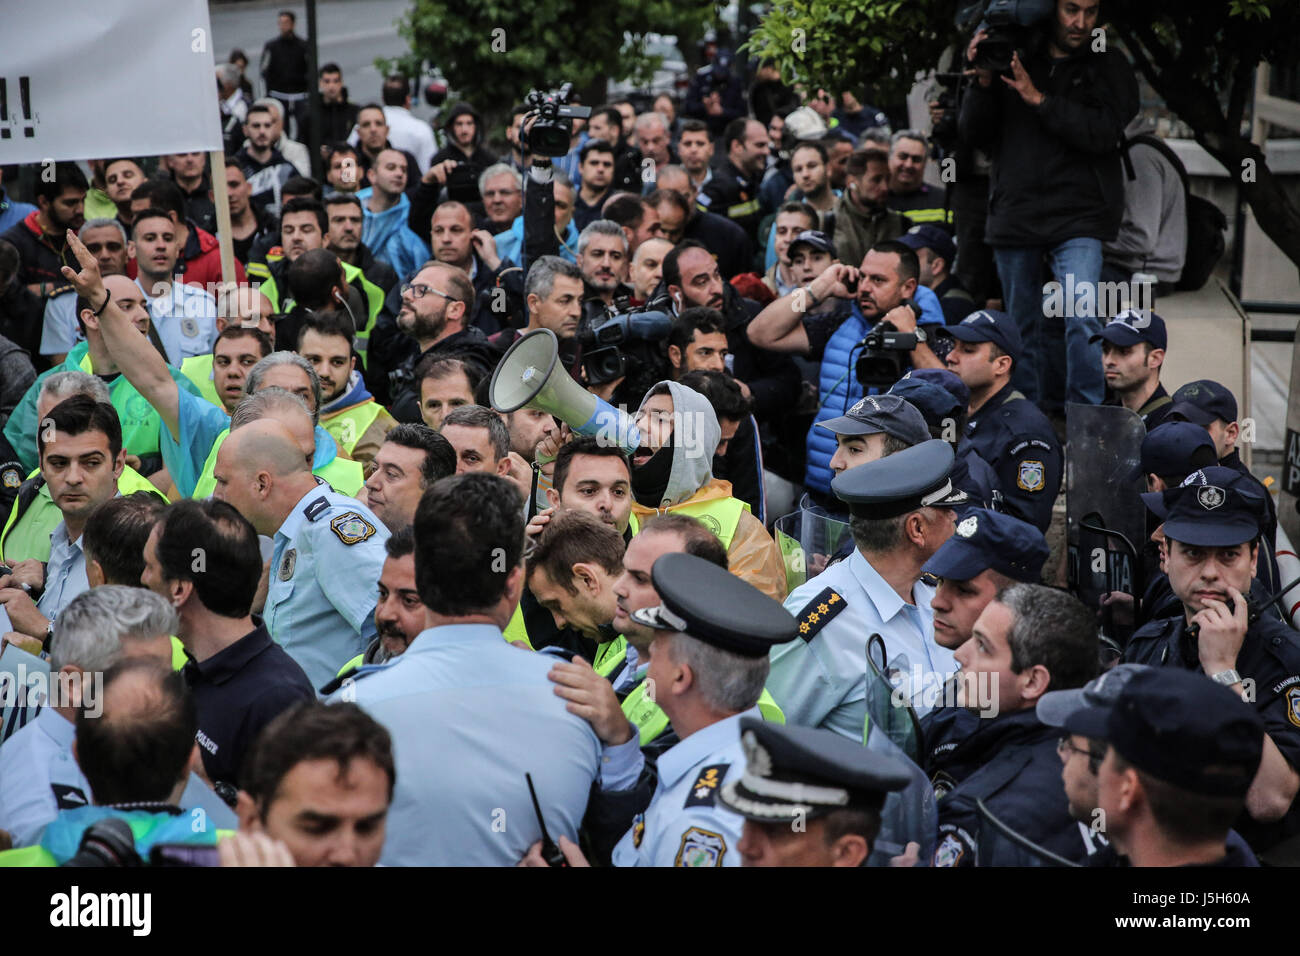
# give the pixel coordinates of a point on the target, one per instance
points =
(1052, 122)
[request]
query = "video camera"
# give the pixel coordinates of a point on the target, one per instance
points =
(1006, 24)
(552, 131)
(885, 351)
(606, 361)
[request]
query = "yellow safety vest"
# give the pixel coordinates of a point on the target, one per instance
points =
(348, 425)
(651, 721)
(345, 476)
(719, 515)
(198, 369)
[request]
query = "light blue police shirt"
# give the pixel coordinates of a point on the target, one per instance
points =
(39, 777)
(185, 319)
(684, 824)
(320, 603)
(65, 574)
(822, 681)
(470, 714)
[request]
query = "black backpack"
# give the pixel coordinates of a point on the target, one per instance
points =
(1206, 224)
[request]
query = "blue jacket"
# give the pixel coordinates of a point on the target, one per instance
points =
(388, 237)
(510, 244)
(838, 387)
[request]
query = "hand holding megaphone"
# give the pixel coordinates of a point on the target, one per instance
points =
(549, 448)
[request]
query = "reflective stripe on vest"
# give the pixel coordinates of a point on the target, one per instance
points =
(610, 656)
(651, 721)
(347, 426)
(198, 369)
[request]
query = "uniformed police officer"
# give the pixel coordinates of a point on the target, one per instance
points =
(809, 797)
(876, 426)
(1007, 430)
(1133, 347)
(329, 548)
(1212, 530)
(708, 662)
(901, 512)
(941, 398)
(1182, 759)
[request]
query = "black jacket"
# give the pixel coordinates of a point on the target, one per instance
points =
(337, 120)
(1056, 168)
(284, 64)
(772, 377)
(469, 345)
(726, 240)
(734, 196)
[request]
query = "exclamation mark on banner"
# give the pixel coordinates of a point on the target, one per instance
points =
(4, 109)
(25, 92)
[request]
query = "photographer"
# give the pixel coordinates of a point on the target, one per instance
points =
(1052, 121)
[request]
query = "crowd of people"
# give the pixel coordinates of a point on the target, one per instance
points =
(277, 557)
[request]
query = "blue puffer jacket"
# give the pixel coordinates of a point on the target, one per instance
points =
(838, 388)
(388, 237)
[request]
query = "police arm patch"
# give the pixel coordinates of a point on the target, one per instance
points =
(1031, 476)
(351, 528)
(1293, 705)
(952, 849)
(706, 786)
(701, 848)
(819, 612)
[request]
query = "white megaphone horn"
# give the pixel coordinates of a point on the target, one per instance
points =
(530, 374)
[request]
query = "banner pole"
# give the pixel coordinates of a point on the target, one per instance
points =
(217, 172)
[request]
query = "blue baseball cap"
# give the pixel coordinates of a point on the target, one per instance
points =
(815, 238)
(944, 378)
(987, 539)
(1057, 706)
(881, 413)
(1176, 448)
(934, 402)
(1181, 728)
(989, 325)
(1215, 507)
(933, 238)
(1133, 326)
(1203, 402)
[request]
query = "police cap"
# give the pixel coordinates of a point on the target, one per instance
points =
(1203, 402)
(933, 238)
(1057, 706)
(934, 402)
(989, 325)
(913, 478)
(1133, 326)
(881, 413)
(987, 539)
(1176, 448)
(803, 773)
(1181, 728)
(945, 378)
(710, 604)
(1215, 507)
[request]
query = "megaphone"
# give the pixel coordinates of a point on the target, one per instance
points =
(530, 374)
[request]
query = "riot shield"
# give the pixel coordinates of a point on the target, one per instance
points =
(999, 845)
(809, 539)
(910, 815)
(889, 699)
(1105, 517)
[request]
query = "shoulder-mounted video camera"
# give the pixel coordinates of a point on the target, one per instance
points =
(885, 352)
(552, 131)
(1007, 24)
(604, 353)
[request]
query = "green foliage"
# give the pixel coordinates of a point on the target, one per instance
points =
(495, 51)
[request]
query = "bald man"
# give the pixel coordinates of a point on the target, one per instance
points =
(329, 548)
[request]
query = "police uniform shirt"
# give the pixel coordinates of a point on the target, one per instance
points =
(65, 575)
(1017, 439)
(39, 777)
(469, 715)
(1018, 777)
(320, 603)
(820, 678)
(185, 319)
(237, 691)
(684, 824)
(1270, 658)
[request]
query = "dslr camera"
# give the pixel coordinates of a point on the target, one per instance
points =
(552, 131)
(1007, 24)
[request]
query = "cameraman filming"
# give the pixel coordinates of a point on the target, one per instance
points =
(1052, 121)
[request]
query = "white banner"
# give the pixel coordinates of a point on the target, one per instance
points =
(90, 80)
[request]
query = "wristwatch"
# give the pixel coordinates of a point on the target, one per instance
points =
(922, 337)
(1226, 678)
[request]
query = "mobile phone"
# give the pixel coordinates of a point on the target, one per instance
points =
(852, 284)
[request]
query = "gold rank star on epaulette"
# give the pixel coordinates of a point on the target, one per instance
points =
(819, 612)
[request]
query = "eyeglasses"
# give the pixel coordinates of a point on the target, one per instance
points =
(1065, 746)
(419, 291)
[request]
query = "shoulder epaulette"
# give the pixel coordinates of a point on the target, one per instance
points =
(705, 788)
(819, 612)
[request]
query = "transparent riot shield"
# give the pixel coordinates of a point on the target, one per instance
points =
(889, 699)
(1105, 517)
(809, 540)
(1000, 845)
(910, 815)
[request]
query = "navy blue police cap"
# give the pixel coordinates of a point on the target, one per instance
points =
(935, 403)
(989, 325)
(1181, 728)
(987, 539)
(796, 773)
(881, 413)
(1176, 449)
(916, 477)
(1133, 326)
(1215, 507)
(1057, 706)
(944, 378)
(933, 238)
(1203, 402)
(710, 604)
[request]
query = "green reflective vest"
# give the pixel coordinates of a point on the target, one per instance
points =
(719, 515)
(651, 721)
(27, 535)
(344, 476)
(347, 426)
(198, 369)
(373, 294)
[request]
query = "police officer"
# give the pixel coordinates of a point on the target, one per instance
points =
(708, 662)
(1007, 430)
(329, 548)
(876, 426)
(1212, 530)
(1133, 347)
(900, 510)
(988, 552)
(809, 797)
(935, 392)
(1181, 762)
